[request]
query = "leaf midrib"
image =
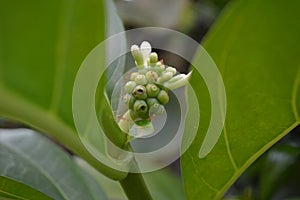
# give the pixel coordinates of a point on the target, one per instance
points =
(240, 170)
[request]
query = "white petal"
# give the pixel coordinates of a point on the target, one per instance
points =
(146, 50)
(134, 47)
(179, 82)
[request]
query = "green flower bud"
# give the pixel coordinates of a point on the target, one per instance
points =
(129, 86)
(140, 79)
(151, 102)
(171, 69)
(140, 92)
(153, 58)
(140, 107)
(160, 68)
(165, 77)
(126, 99)
(163, 97)
(156, 109)
(152, 90)
(137, 55)
(151, 76)
(133, 76)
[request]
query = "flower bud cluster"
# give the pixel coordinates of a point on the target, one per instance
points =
(146, 92)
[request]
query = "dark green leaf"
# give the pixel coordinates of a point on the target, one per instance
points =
(255, 44)
(41, 48)
(32, 159)
(11, 189)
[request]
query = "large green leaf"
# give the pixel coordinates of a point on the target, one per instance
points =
(11, 189)
(255, 44)
(41, 48)
(32, 159)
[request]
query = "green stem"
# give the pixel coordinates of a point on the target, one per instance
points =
(135, 188)
(134, 185)
(17, 108)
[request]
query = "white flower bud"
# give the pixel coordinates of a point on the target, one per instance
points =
(177, 81)
(171, 69)
(151, 76)
(129, 86)
(133, 76)
(137, 55)
(140, 79)
(156, 110)
(165, 77)
(145, 50)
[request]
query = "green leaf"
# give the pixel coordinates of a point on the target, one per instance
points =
(41, 48)
(11, 189)
(32, 159)
(255, 45)
(162, 184)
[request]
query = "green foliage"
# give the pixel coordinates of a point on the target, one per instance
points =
(42, 47)
(255, 45)
(11, 189)
(275, 174)
(32, 159)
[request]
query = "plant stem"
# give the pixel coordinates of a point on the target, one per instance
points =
(135, 188)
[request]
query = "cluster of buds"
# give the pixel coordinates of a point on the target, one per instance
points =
(146, 92)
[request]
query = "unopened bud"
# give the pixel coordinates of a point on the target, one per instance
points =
(151, 76)
(137, 55)
(165, 77)
(151, 101)
(163, 97)
(133, 76)
(129, 86)
(153, 58)
(140, 79)
(152, 90)
(171, 69)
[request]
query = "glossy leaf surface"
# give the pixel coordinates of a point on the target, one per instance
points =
(32, 159)
(11, 189)
(41, 48)
(255, 45)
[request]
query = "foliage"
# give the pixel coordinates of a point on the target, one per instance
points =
(255, 45)
(258, 60)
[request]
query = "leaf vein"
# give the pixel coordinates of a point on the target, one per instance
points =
(201, 177)
(12, 195)
(251, 159)
(228, 148)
